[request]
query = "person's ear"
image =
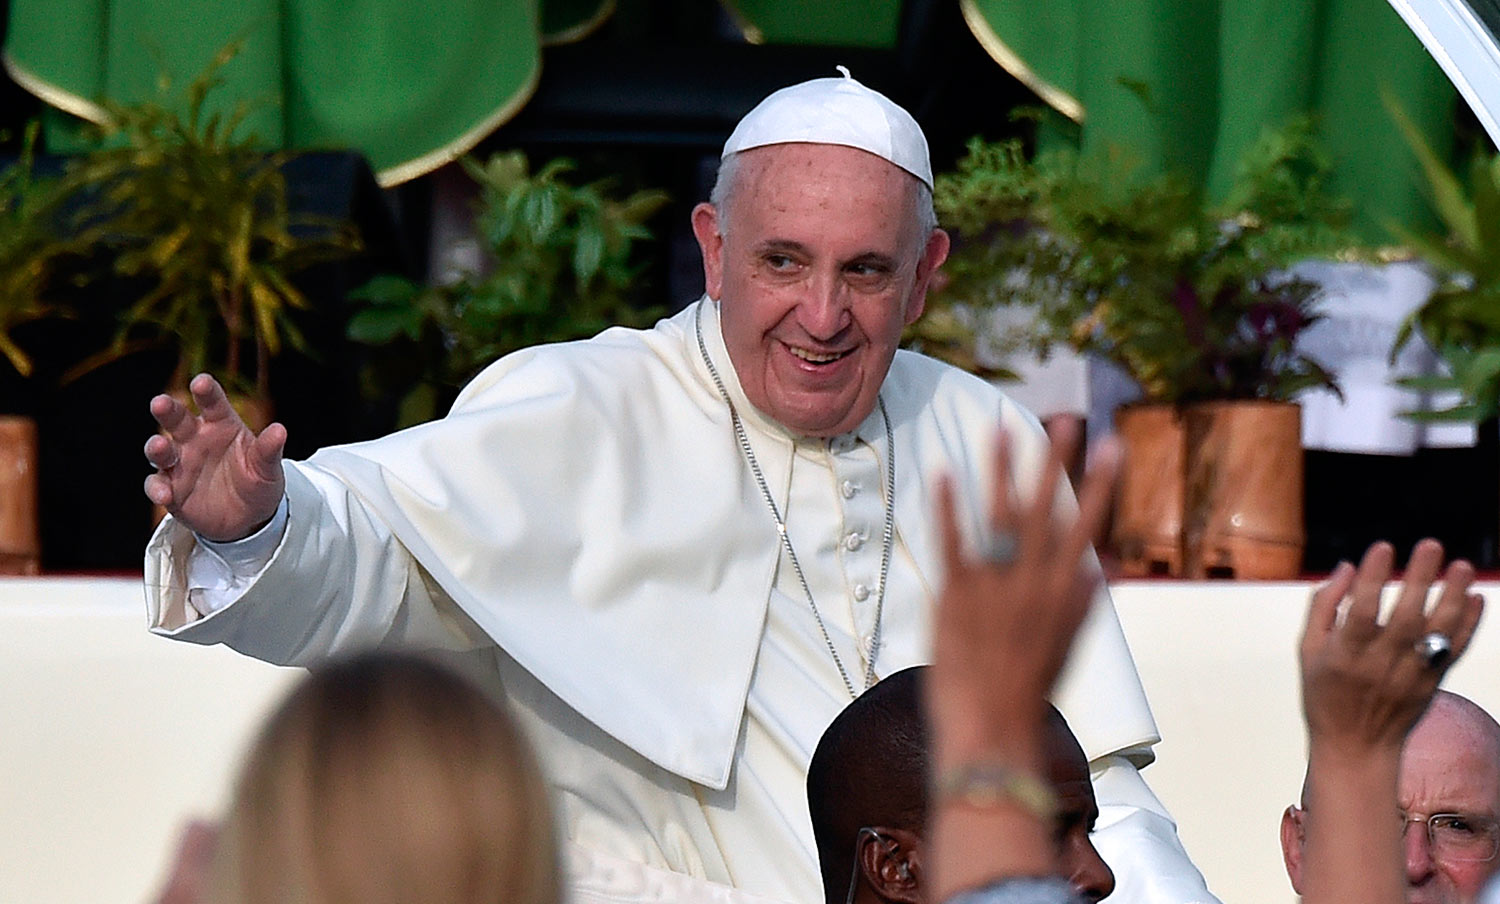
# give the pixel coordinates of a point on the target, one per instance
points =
(933, 255)
(1293, 836)
(711, 242)
(890, 860)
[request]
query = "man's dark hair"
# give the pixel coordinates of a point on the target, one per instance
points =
(870, 769)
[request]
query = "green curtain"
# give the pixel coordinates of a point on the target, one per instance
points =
(1189, 84)
(566, 21)
(410, 85)
(834, 23)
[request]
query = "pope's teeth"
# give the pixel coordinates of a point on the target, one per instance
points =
(814, 357)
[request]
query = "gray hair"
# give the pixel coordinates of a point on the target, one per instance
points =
(729, 168)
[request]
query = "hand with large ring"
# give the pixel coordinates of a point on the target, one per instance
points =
(1435, 648)
(1365, 683)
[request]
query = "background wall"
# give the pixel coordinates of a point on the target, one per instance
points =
(111, 738)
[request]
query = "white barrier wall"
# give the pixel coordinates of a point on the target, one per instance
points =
(110, 738)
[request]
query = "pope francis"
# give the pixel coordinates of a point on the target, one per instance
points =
(677, 552)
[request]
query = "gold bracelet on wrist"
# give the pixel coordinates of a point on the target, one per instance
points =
(988, 784)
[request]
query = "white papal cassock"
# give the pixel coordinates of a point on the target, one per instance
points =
(583, 524)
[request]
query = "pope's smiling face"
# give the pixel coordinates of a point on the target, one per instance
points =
(819, 264)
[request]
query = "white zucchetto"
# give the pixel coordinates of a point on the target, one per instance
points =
(835, 111)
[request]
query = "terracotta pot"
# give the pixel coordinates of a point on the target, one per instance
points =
(1242, 490)
(20, 533)
(1147, 532)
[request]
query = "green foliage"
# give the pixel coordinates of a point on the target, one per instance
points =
(30, 244)
(1462, 318)
(1190, 298)
(561, 268)
(199, 214)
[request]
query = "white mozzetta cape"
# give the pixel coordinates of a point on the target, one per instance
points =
(587, 509)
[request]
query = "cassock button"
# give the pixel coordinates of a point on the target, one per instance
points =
(853, 541)
(861, 593)
(849, 488)
(866, 644)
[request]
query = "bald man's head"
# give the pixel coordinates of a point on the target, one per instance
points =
(1450, 764)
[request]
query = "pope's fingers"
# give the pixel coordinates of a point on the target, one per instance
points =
(209, 396)
(162, 453)
(173, 417)
(266, 450)
(159, 490)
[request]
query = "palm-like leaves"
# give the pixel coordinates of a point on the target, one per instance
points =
(1462, 318)
(1183, 294)
(200, 215)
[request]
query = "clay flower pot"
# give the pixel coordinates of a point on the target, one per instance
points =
(1147, 532)
(1242, 490)
(1213, 489)
(20, 532)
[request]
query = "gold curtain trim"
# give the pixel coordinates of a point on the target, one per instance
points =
(1011, 62)
(752, 32)
(411, 169)
(582, 29)
(61, 98)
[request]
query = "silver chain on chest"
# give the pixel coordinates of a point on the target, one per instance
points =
(888, 534)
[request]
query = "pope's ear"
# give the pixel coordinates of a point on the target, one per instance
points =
(933, 255)
(711, 243)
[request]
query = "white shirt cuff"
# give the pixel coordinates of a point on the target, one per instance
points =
(220, 572)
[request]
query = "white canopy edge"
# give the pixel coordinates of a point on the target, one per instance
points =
(1464, 48)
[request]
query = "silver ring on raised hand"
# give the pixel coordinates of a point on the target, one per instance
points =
(1000, 548)
(1435, 648)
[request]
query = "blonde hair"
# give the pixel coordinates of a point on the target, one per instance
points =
(388, 779)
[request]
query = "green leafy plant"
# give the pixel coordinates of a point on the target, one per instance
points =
(562, 265)
(1191, 298)
(198, 214)
(1461, 320)
(31, 242)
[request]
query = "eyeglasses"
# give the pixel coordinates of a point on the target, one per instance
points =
(1458, 837)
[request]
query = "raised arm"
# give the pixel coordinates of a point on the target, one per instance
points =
(212, 472)
(1364, 685)
(1004, 624)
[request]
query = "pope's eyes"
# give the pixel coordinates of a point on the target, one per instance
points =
(780, 261)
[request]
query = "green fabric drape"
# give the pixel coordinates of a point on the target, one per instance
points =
(1216, 73)
(566, 21)
(835, 23)
(408, 85)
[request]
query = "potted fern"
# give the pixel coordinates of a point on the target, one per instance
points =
(31, 243)
(1192, 299)
(562, 263)
(196, 214)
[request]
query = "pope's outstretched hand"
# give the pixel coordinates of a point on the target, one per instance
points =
(213, 474)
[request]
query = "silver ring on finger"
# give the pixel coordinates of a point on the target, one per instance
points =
(1435, 648)
(1000, 548)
